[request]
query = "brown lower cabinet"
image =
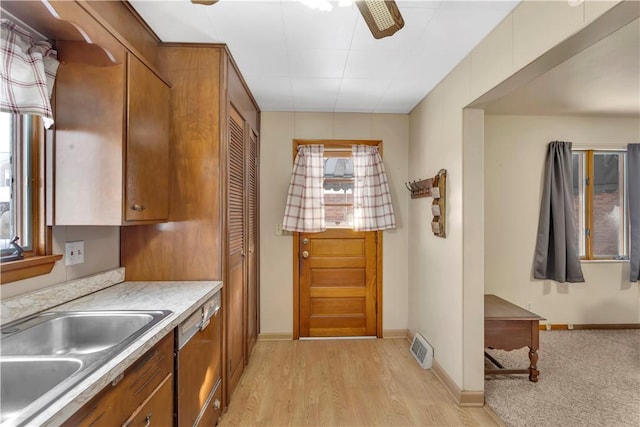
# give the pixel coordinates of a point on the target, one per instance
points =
(139, 393)
(157, 409)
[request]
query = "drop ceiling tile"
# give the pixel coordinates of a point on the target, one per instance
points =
(317, 62)
(188, 23)
(362, 95)
(271, 93)
(308, 28)
(373, 65)
(315, 94)
(269, 62)
(261, 22)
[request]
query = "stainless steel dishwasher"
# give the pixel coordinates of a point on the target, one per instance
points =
(198, 366)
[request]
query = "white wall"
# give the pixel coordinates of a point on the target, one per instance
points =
(276, 258)
(445, 303)
(102, 252)
(515, 150)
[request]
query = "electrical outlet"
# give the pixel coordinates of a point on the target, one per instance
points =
(74, 253)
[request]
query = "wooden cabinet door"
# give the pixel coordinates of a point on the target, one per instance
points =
(235, 284)
(114, 405)
(147, 147)
(252, 243)
(157, 409)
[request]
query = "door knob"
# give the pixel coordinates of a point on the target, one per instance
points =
(305, 254)
(305, 241)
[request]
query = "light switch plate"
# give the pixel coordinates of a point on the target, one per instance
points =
(74, 253)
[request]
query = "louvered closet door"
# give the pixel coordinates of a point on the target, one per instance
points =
(235, 282)
(252, 235)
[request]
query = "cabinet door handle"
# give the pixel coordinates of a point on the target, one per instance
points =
(216, 405)
(148, 420)
(138, 208)
(205, 324)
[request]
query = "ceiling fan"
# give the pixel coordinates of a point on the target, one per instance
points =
(382, 16)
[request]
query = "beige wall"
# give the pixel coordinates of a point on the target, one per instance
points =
(102, 252)
(445, 293)
(515, 149)
(276, 269)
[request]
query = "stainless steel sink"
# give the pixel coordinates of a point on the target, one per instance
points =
(74, 333)
(25, 379)
(45, 355)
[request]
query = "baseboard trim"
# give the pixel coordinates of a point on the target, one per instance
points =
(275, 336)
(286, 336)
(394, 333)
(462, 397)
(585, 326)
(489, 410)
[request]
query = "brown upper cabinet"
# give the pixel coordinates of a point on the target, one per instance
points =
(111, 140)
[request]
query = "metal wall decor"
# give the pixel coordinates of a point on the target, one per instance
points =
(420, 188)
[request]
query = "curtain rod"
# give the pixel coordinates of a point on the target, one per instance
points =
(35, 33)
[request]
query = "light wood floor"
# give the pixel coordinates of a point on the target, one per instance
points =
(343, 383)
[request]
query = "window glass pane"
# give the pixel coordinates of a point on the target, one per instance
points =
(15, 181)
(7, 222)
(338, 192)
(25, 183)
(579, 168)
(608, 234)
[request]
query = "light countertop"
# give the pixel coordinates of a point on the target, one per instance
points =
(182, 298)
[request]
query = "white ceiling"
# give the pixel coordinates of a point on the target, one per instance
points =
(299, 59)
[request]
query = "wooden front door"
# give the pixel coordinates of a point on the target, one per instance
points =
(337, 283)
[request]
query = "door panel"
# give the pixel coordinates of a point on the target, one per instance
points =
(252, 243)
(337, 283)
(235, 284)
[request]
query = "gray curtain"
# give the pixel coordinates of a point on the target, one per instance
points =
(633, 180)
(556, 255)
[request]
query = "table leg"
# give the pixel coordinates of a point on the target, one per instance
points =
(533, 369)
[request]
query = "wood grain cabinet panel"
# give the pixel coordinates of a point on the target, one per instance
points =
(111, 141)
(157, 409)
(120, 401)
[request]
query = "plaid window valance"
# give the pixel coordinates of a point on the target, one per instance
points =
(27, 73)
(372, 208)
(305, 201)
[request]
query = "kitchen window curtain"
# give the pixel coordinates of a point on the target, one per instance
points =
(556, 255)
(633, 180)
(372, 208)
(305, 201)
(27, 73)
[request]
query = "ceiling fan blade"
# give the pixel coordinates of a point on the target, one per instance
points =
(382, 17)
(205, 2)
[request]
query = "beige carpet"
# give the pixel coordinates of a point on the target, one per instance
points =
(587, 378)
